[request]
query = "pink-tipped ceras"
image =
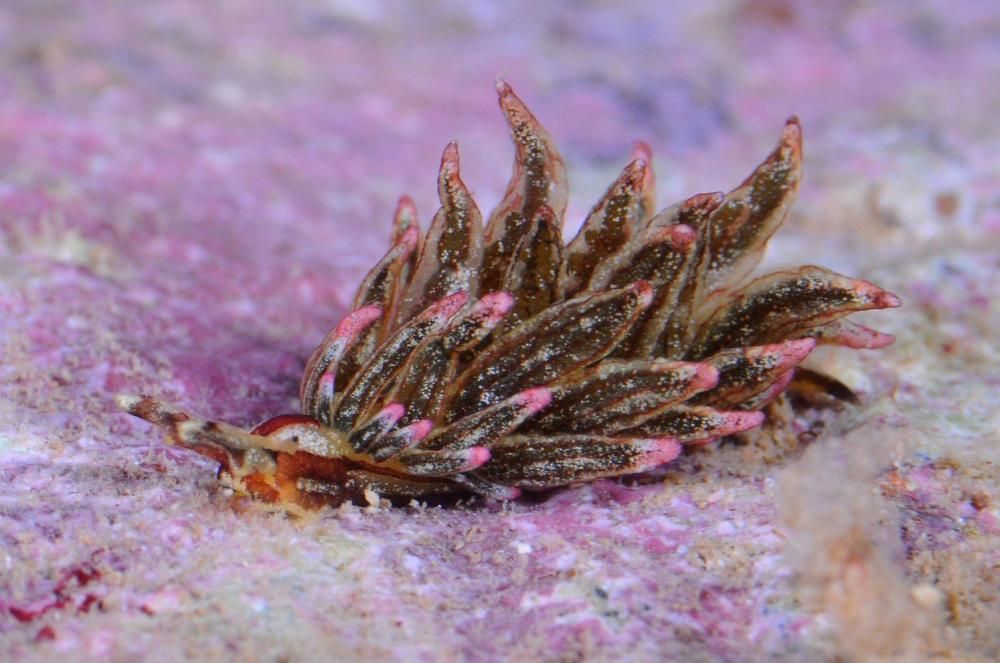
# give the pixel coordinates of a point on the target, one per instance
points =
(490, 357)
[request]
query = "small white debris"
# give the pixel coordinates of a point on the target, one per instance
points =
(927, 596)
(412, 563)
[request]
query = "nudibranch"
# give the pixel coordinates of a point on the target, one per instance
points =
(489, 357)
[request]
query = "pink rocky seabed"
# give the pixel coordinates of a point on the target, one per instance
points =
(489, 357)
(176, 197)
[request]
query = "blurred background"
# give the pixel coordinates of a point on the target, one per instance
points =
(310, 109)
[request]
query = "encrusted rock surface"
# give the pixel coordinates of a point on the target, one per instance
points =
(189, 194)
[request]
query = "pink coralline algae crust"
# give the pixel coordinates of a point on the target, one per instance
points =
(188, 201)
